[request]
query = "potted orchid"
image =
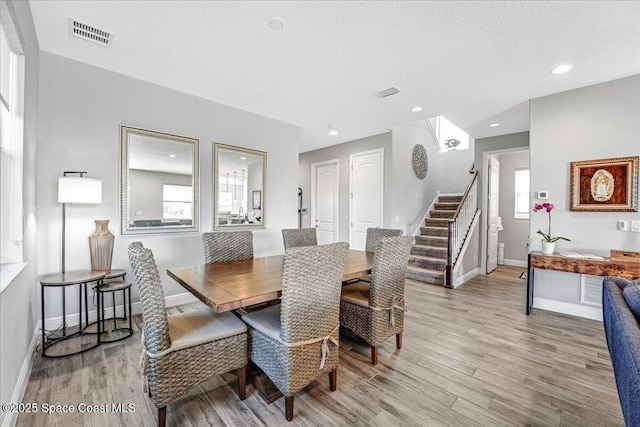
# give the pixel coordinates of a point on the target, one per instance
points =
(548, 242)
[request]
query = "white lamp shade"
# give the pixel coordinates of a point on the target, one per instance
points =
(79, 190)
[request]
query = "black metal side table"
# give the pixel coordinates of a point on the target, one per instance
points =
(112, 287)
(63, 281)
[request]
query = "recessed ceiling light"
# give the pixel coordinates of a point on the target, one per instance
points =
(333, 132)
(561, 69)
(494, 125)
(243, 158)
(276, 23)
(416, 109)
(172, 155)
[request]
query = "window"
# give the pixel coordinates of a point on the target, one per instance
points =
(522, 207)
(450, 137)
(11, 125)
(177, 202)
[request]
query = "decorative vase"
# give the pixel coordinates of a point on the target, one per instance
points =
(548, 247)
(101, 246)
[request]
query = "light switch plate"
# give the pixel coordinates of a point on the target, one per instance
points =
(623, 225)
(635, 226)
(543, 195)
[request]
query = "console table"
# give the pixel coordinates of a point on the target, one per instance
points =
(595, 267)
(63, 281)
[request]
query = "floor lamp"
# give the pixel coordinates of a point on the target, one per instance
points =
(76, 189)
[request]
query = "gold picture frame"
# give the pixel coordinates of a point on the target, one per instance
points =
(607, 185)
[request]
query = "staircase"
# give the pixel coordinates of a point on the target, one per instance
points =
(430, 248)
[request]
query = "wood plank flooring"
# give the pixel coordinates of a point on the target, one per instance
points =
(470, 358)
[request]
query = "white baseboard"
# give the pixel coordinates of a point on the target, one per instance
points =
(465, 277)
(10, 418)
(515, 263)
(53, 323)
(593, 313)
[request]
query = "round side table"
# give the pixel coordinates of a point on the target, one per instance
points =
(112, 287)
(63, 281)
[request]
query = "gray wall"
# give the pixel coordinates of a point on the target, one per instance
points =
(81, 109)
(594, 122)
(19, 307)
(146, 192)
(515, 235)
(342, 153)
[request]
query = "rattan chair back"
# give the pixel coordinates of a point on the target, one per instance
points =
(389, 270)
(296, 237)
(311, 285)
(223, 246)
(154, 312)
(375, 234)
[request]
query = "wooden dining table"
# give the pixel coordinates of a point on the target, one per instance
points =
(230, 285)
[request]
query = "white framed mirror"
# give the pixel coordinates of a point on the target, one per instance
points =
(159, 182)
(239, 183)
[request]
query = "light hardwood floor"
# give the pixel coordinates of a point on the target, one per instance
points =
(471, 357)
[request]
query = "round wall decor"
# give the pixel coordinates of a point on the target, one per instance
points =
(420, 161)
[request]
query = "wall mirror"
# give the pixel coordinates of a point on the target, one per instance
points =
(159, 182)
(239, 183)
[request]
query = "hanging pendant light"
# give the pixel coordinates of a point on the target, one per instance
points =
(235, 187)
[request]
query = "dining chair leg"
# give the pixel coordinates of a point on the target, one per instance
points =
(288, 404)
(374, 355)
(399, 341)
(162, 416)
(242, 382)
(333, 380)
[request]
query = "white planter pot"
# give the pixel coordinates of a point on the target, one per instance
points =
(547, 248)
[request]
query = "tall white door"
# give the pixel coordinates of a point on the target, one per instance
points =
(492, 214)
(366, 188)
(324, 200)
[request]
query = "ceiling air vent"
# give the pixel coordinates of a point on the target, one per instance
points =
(387, 92)
(89, 32)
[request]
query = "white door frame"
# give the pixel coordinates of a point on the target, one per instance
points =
(314, 167)
(351, 156)
(484, 241)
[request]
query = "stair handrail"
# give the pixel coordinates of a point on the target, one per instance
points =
(454, 243)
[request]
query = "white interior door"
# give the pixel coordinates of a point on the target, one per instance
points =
(366, 188)
(492, 214)
(324, 200)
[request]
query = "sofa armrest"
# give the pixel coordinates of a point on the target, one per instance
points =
(623, 339)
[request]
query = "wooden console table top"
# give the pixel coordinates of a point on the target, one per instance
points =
(594, 267)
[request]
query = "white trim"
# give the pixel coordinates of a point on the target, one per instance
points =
(314, 167)
(136, 308)
(588, 312)
(20, 388)
(515, 263)
(8, 273)
(484, 241)
(466, 277)
(351, 156)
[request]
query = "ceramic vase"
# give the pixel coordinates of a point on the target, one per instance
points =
(547, 248)
(101, 246)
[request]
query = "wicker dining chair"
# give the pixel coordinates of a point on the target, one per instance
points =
(182, 350)
(296, 237)
(375, 311)
(295, 342)
(375, 234)
(373, 237)
(223, 246)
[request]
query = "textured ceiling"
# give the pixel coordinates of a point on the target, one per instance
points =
(473, 62)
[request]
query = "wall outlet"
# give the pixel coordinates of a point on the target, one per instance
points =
(635, 226)
(623, 225)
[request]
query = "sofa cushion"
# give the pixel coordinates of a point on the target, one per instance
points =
(631, 295)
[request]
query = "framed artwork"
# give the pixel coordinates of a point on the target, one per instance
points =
(608, 185)
(256, 199)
